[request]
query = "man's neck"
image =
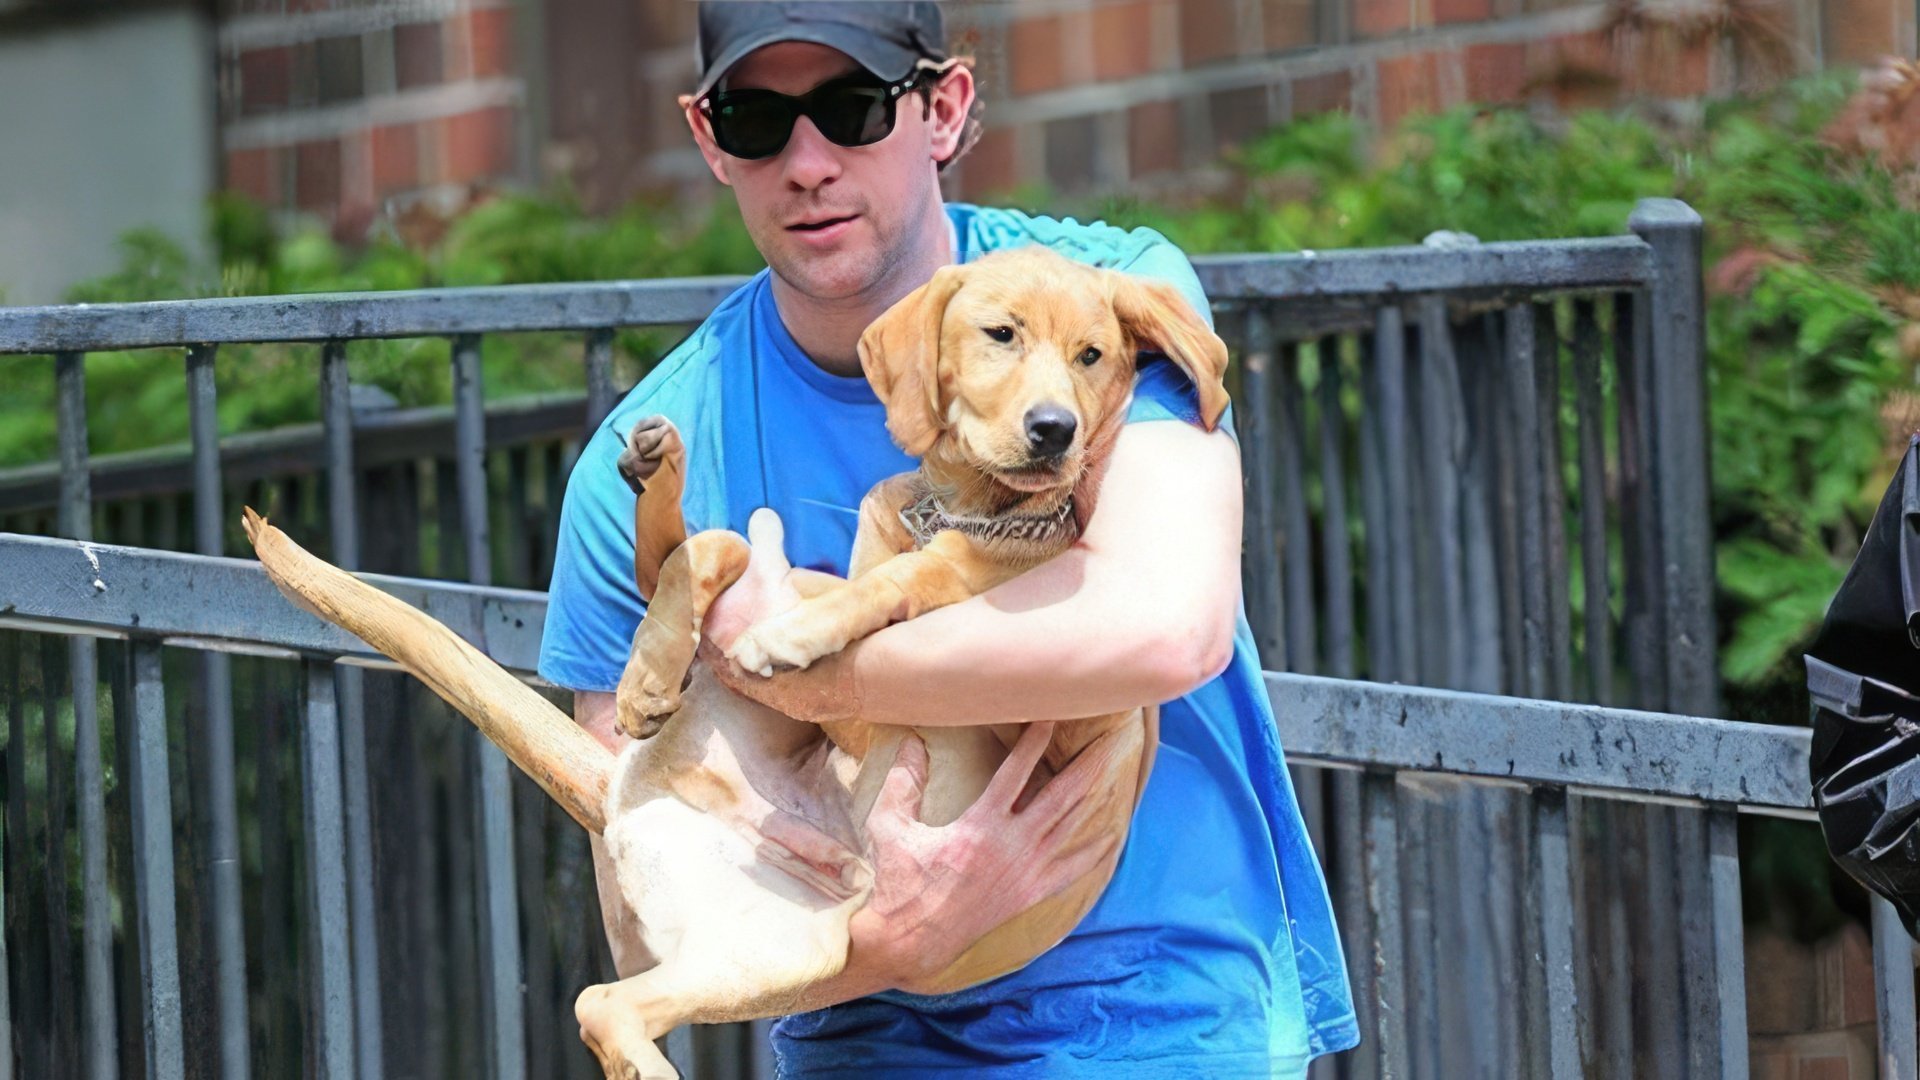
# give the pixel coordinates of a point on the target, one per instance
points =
(828, 331)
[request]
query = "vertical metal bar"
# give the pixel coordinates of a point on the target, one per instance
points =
(153, 867)
(1478, 369)
(1382, 665)
(216, 677)
(1588, 411)
(11, 846)
(66, 1044)
(76, 522)
(343, 494)
(39, 967)
(1679, 425)
(1893, 992)
(1296, 548)
(1522, 413)
(600, 392)
(1296, 566)
(505, 1002)
(1262, 534)
(1553, 503)
(1335, 545)
(328, 936)
(1729, 954)
(1443, 453)
(1557, 1051)
(1389, 982)
(1644, 613)
(1392, 427)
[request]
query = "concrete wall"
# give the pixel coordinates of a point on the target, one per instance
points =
(106, 125)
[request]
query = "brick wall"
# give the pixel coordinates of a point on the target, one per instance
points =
(338, 109)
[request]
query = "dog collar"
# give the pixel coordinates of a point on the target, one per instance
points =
(926, 517)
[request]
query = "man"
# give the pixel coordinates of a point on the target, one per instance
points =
(1213, 951)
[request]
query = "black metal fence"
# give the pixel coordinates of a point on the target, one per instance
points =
(1476, 468)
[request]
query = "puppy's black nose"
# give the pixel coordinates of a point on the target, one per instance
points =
(1049, 430)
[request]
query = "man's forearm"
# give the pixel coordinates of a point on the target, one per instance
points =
(1059, 643)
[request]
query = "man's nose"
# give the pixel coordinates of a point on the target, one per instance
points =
(1050, 430)
(809, 160)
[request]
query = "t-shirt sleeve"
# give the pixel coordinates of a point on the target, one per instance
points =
(593, 604)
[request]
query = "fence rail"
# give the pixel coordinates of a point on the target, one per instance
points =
(1507, 440)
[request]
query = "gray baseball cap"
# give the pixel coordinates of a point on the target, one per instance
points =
(887, 39)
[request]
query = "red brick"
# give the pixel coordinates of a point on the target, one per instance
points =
(1153, 138)
(1459, 11)
(1289, 24)
(396, 158)
(1383, 18)
(1238, 115)
(1407, 87)
(479, 144)
(1123, 40)
(1859, 31)
(1209, 31)
(316, 175)
(265, 76)
(1675, 70)
(416, 55)
(1496, 73)
(1323, 93)
(255, 174)
(490, 36)
(1035, 55)
(991, 167)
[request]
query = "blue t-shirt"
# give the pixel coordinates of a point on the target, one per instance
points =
(1213, 951)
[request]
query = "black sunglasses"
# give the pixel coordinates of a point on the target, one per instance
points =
(852, 111)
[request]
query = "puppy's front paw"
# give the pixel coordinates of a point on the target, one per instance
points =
(779, 644)
(652, 442)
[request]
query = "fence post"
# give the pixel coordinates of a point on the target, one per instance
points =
(1712, 963)
(1680, 444)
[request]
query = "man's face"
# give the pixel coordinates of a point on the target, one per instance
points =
(834, 222)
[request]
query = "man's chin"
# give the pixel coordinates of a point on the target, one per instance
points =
(841, 275)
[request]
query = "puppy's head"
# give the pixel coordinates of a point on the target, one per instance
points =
(1018, 364)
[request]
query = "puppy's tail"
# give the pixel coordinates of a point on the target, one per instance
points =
(543, 741)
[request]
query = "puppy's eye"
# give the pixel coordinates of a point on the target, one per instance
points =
(1090, 357)
(1001, 334)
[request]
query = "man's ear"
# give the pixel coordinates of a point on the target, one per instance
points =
(1154, 313)
(900, 353)
(949, 105)
(703, 138)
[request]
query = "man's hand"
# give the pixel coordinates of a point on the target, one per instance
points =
(938, 890)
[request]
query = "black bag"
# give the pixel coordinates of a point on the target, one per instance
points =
(1864, 677)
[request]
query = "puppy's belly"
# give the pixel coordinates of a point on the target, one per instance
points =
(732, 841)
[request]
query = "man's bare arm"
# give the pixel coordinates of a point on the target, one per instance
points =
(1139, 612)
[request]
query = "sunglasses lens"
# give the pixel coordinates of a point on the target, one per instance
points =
(854, 115)
(751, 126)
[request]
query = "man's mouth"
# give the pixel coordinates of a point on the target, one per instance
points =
(821, 225)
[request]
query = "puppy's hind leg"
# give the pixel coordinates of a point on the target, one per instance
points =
(663, 647)
(709, 985)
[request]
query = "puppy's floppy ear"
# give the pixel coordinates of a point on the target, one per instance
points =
(900, 353)
(1157, 314)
